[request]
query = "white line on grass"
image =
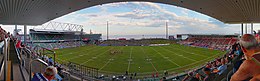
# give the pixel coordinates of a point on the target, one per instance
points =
(166, 58)
(130, 57)
(109, 61)
(190, 52)
(194, 62)
(178, 54)
(149, 60)
(76, 52)
(81, 55)
(96, 56)
(162, 70)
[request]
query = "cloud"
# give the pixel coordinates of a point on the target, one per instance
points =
(217, 22)
(146, 14)
(92, 15)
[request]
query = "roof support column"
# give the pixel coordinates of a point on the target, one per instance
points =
(242, 33)
(252, 28)
(246, 29)
(24, 35)
(15, 30)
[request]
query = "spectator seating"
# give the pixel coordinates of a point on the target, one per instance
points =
(60, 45)
(220, 43)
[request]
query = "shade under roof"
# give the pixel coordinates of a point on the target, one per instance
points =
(37, 12)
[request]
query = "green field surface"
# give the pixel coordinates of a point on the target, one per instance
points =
(174, 58)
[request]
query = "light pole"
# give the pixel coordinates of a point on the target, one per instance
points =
(107, 30)
(166, 28)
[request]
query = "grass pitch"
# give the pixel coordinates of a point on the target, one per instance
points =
(140, 59)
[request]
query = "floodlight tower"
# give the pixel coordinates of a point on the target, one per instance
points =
(166, 28)
(107, 29)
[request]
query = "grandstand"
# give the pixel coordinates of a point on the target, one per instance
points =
(58, 39)
(134, 42)
(220, 42)
(21, 61)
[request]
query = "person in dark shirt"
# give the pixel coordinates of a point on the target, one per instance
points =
(209, 76)
(190, 77)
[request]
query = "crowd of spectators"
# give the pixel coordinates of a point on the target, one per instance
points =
(60, 45)
(54, 37)
(52, 72)
(241, 63)
(220, 43)
(3, 34)
(141, 42)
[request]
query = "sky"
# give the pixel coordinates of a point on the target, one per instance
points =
(144, 18)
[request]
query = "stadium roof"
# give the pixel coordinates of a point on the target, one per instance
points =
(37, 12)
(51, 30)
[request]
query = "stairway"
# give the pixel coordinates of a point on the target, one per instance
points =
(16, 73)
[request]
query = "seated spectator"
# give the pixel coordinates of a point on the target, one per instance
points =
(48, 75)
(222, 68)
(249, 69)
(190, 77)
(51, 61)
(209, 76)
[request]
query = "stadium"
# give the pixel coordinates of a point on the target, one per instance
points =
(60, 51)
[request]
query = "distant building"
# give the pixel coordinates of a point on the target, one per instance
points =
(171, 38)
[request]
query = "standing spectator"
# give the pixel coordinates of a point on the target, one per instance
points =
(157, 74)
(248, 68)
(18, 44)
(135, 74)
(165, 73)
(126, 73)
(258, 36)
(131, 77)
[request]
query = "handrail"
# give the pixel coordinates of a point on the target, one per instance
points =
(30, 69)
(18, 53)
(2, 44)
(6, 42)
(43, 48)
(2, 66)
(52, 51)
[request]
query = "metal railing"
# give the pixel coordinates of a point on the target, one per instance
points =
(2, 45)
(5, 51)
(40, 67)
(29, 60)
(34, 57)
(43, 51)
(83, 72)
